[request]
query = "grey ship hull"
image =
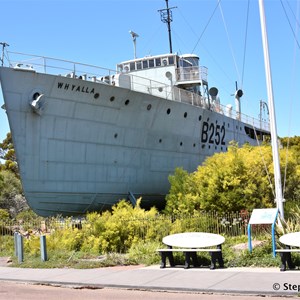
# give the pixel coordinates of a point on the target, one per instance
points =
(93, 143)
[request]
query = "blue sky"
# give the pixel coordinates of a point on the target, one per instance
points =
(97, 32)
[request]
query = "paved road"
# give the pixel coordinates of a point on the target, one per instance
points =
(12, 290)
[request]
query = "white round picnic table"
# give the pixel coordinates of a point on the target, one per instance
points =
(291, 239)
(193, 240)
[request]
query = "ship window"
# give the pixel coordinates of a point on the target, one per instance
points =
(200, 117)
(165, 61)
(185, 63)
(127, 102)
(145, 64)
(149, 106)
(138, 65)
(180, 143)
(158, 62)
(185, 114)
(112, 98)
(168, 111)
(171, 60)
(132, 66)
(151, 63)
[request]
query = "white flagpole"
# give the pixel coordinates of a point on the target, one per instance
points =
(277, 176)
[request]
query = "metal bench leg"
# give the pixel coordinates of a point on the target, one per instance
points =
(187, 260)
(164, 256)
(283, 261)
(220, 257)
(171, 259)
(194, 259)
(214, 256)
(163, 259)
(288, 259)
(188, 257)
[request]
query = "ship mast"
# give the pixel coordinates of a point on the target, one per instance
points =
(166, 17)
(277, 176)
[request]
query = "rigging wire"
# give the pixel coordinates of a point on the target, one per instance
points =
(218, 3)
(245, 43)
(229, 41)
(286, 15)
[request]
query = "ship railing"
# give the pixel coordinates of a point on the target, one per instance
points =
(54, 66)
(72, 69)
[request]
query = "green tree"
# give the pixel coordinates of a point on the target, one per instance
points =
(11, 197)
(240, 179)
(7, 153)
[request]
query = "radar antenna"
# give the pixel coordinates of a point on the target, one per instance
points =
(166, 17)
(3, 44)
(134, 36)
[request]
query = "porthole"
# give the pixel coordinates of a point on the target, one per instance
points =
(185, 114)
(160, 140)
(194, 145)
(97, 95)
(149, 106)
(168, 111)
(180, 143)
(200, 117)
(35, 96)
(127, 102)
(112, 98)
(116, 135)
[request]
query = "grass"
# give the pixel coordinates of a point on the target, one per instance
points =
(235, 254)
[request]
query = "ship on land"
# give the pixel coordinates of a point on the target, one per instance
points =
(86, 137)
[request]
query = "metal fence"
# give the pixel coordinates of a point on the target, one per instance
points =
(230, 224)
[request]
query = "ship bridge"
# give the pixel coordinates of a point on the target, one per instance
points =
(171, 69)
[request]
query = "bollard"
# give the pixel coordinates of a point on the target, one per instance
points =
(20, 248)
(43, 248)
(16, 243)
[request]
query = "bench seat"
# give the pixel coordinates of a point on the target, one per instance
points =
(189, 250)
(287, 250)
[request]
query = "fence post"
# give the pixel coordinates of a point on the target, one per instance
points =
(20, 248)
(43, 248)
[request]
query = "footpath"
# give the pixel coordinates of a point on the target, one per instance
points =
(250, 281)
